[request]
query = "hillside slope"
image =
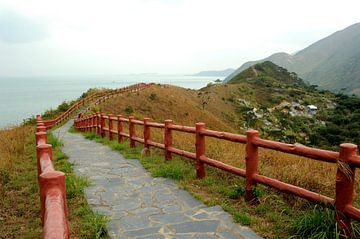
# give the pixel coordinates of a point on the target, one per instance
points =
(332, 63)
(265, 97)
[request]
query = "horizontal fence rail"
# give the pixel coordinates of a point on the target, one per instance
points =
(51, 182)
(346, 158)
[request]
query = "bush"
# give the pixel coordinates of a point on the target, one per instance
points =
(129, 109)
(153, 96)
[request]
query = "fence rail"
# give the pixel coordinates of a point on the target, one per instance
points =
(51, 182)
(347, 157)
(98, 98)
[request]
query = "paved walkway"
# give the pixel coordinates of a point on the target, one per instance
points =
(138, 205)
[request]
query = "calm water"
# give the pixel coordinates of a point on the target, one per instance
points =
(21, 98)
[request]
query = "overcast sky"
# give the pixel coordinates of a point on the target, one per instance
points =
(80, 37)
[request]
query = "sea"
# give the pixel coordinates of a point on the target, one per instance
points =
(25, 97)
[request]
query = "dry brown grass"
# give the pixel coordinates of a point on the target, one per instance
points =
(276, 210)
(184, 107)
(12, 145)
(19, 199)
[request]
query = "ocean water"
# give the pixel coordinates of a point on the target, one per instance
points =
(23, 97)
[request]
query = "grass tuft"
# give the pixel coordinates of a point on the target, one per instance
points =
(320, 224)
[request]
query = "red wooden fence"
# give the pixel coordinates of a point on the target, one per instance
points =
(344, 180)
(52, 188)
(51, 182)
(97, 98)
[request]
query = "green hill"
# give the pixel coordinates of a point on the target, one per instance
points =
(333, 63)
(267, 73)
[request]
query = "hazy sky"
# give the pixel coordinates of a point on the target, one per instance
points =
(76, 37)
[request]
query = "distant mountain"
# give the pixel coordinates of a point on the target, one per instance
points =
(332, 63)
(215, 73)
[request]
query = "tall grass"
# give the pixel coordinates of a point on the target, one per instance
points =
(19, 198)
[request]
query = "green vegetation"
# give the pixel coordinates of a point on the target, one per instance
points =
(64, 106)
(280, 101)
(319, 223)
(84, 223)
(273, 216)
(342, 123)
(19, 196)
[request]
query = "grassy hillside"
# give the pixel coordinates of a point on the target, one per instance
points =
(230, 108)
(333, 63)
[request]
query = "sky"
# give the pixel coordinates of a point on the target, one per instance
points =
(85, 37)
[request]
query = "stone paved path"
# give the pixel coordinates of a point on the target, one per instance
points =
(138, 205)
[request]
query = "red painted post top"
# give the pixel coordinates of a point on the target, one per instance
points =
(345, 185)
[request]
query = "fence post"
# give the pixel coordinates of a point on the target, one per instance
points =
(252, 161)
(111, 135)
(200, 150)
(98, 121)
(50, 181)
(40, 129)
(131, 131)
(41, 136)
(40, 150)
(168, 139)
(102, 125)
(119, 128)
(345, 183)
(146, 133)
(93, 122)
(86, 122)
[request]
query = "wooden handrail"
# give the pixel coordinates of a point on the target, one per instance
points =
(344, 185)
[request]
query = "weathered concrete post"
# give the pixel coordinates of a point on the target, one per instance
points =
(252, 162)
(200, 150)
(168, 139)
(345, 184)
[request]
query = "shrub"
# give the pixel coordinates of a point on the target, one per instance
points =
(129, 109)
